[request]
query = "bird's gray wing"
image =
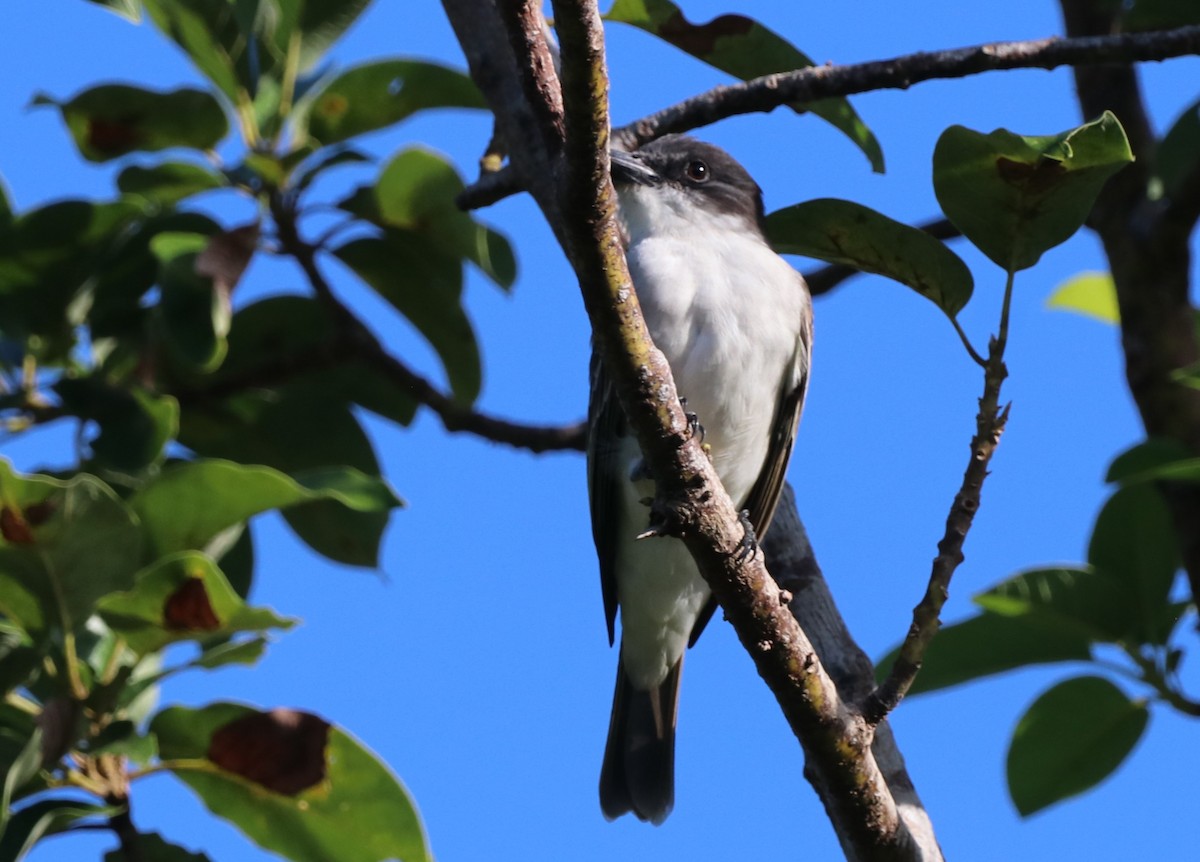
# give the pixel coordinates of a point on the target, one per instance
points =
(606, 427)
(764, 496)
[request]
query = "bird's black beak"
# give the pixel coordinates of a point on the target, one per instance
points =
(629, 169)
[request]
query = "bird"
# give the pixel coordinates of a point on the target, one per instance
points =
(734, 321)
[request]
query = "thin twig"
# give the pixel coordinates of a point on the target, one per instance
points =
(989, 425)
(822, 82)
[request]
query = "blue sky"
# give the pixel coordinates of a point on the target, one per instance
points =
(476, 663)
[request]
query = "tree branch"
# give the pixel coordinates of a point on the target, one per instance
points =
(821, 82)
(1148, 248)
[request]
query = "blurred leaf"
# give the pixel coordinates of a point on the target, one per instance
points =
(1158, 458)
(48, 256)
(295, 333)
(151, 847)
(379, 94)
(113, 120)
(182, 597)
(327, 785)
(1016, 197)
(135, 425)
(131, 10)
(76, 542)
(322, 22)
(44, 818)
(190, 503)
(989, 644)
(122, 739)
(6, 210)
(20, 771)
(745, 49)
(1134, 541)
(1082, 603)
(246, 652)
(842, 232)
(208, 32)
(1158, 14)
(1092, 294)
(1178, 153)
(338, 156)
(233, 549)
(426, 287)
(168, 183)
(195, 311)
(1072, 738)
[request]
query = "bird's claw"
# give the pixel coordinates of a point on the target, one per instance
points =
(748, 546)
(693, 421)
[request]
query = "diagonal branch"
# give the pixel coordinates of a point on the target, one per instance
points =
(821, 82)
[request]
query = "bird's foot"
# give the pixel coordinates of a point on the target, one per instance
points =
(748, 546)
(693, 421)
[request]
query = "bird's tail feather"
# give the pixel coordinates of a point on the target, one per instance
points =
(638, 774)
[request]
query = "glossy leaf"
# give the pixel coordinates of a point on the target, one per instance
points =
(1092, 294)
(355, 794)
(1081, 602)
(745, 49)
(1178, 153)
(1073, 737)
(1159, 458)
(296, 429)
(182, 597)
(424, 285)
(188, 504)
(989, 644)
(152, 847)
(168, 183)
(113, 120)
(135, 425)
(847, 233)
(1016, 197)
(44, 818)
(65, 544)
(379, 94)
(1134, 541)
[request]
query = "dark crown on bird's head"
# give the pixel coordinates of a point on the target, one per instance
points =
(706, 171)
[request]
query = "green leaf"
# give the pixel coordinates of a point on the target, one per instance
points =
(296, 330)
(424, 285)
(188, 504)
(379, 94)
(1080, 602)
(327, 786)
(168, 183)
(66, 544)
(6, 210)
(327, 160)
(1158, 458)
(135, 425)
(48, 258)
(181, 597)
(321, 23)
(297, 429)
(1134, 541)
(1158, 15)
(1016, 197)
(1092, 294)
(246, 652)
(1072, 738)
(44, 818)
(745, 49)
(847, 233)
(26, 765)
(130, 10)
(151, 847)
(1177, 154)
(195, 311)
(121, 739)
(990, 644)
(113, 120)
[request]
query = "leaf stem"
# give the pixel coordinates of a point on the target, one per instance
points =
(974, 354)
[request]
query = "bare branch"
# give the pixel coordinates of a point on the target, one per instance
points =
(526, 30)
(821, 82)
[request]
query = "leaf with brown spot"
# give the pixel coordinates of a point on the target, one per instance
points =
(226, 257)
(283, 750)
(189, 609)
(115, 137)
(14, 527)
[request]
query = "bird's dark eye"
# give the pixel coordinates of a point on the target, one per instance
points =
(697, 171)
